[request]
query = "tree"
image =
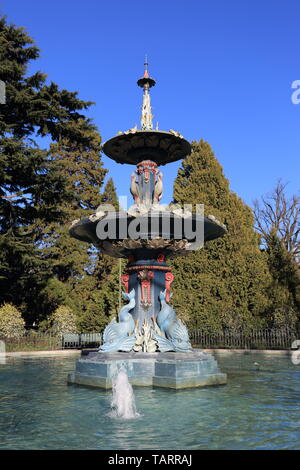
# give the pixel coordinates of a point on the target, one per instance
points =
(278, 215)
(284, 291)
(11, 322)
(80, 272)
(42, 191)
(101, 287)
(225, 283)
(63, 320)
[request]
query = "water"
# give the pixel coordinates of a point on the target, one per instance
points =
(259, 408)
(123, 401)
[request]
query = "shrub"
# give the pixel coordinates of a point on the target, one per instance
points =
(11, 322)
(63, 320)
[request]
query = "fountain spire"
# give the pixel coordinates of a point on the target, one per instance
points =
(146, 82)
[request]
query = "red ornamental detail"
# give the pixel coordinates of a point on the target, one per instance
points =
(130, 259)
(146, 175)
(169, 277)
(145, 167)
(145, 278)
(160, 258)
(125, 281)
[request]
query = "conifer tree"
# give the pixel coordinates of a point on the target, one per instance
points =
(42, 191)
(225, 283)
(29, 186)
(83, 279)
(285, 287)
(102, 287)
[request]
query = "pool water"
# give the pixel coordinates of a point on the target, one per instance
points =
(259, 408)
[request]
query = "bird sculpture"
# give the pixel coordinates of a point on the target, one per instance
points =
(119, 336)
(134, 189)
(158, 189)
(174, 335)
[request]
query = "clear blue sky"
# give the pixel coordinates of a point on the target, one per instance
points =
(224, 71)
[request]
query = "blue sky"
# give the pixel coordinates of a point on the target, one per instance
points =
(224, 71)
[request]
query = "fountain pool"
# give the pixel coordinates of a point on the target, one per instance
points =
(259, 408)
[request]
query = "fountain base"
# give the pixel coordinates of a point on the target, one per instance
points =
(168, 370)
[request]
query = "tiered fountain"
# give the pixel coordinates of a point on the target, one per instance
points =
(148, 341)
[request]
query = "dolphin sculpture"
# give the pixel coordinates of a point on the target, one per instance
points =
(118, 336)
(174, 335)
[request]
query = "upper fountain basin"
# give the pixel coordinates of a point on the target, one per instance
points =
(134, 146)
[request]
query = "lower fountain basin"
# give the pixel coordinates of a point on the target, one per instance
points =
(158, 230)
(168, 370)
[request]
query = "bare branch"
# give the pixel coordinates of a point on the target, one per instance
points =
(277, 214)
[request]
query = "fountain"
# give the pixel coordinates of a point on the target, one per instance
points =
(148, 341)
(123, 401)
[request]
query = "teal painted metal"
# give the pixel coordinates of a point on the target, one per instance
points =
(119, 336)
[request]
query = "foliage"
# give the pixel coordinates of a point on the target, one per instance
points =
(31, 188)
(11, 322)
(225, 283)
(43, 190)
(63, 320)
(285, 287)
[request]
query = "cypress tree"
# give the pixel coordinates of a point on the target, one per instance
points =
(225, 283)
(285, 287)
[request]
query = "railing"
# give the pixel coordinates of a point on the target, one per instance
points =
(81, 340)
(227, 339)
(32, 341)
(262, 338)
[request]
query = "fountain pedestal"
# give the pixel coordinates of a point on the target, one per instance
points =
(167, 370)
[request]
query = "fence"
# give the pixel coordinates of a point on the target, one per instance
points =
(262, 338)
(32, 341)
(227, 339)
(81, 340)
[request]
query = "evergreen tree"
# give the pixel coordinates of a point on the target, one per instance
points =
(83, 278)
(102, 286)
(70, 260)
(41, 192)
(285, 287)
(225, 283)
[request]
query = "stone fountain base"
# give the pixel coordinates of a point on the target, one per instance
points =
(168, 369)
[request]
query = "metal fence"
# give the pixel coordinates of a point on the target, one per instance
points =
(81, 340)
(262, 338)
(227, 339)
(32, 340)
(255, 338)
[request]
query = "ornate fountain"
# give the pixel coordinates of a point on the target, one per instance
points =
(149, 341)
